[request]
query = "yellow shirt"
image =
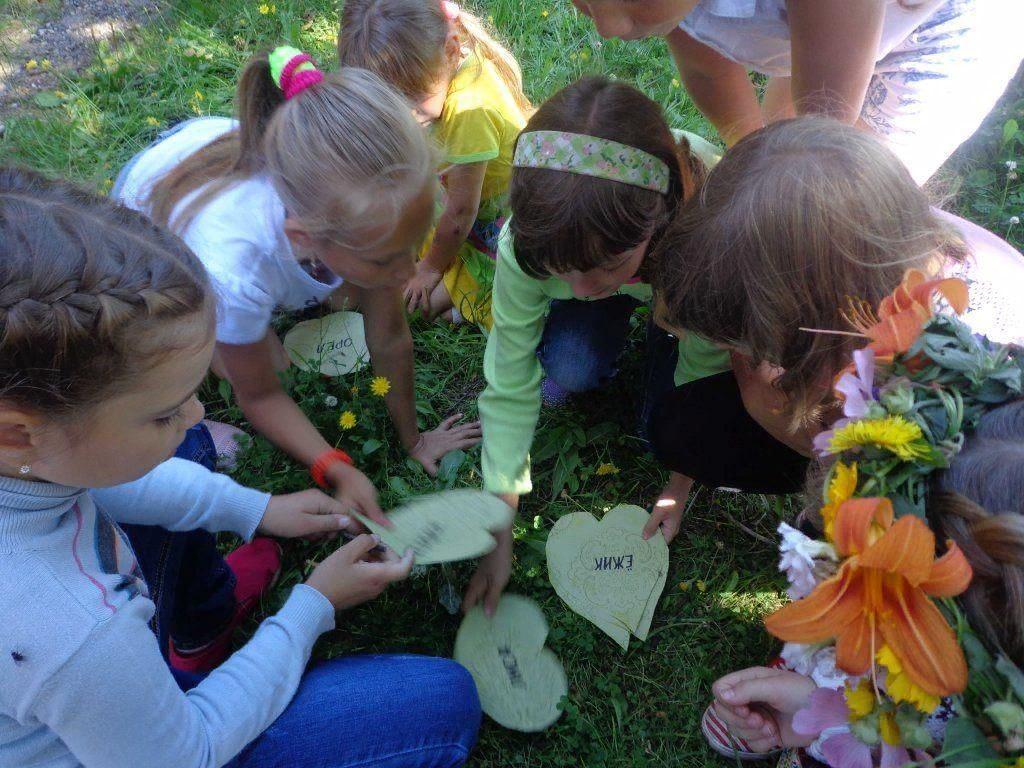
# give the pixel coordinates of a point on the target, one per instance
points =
(479, 123)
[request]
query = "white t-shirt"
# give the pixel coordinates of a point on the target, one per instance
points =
(755, 33)
(239, 236)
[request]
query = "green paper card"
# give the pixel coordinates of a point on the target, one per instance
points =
(606, 572)
(447, 526)
(520, 681)
(335, 344)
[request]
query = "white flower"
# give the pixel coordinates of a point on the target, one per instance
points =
(1011, 165)
(1015, 220)
(330, 401)
(798, 554)
(817, 662)
(1011, 175)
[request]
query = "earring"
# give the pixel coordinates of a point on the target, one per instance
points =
(25, 469)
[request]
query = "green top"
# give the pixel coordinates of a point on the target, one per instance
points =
(510, 405)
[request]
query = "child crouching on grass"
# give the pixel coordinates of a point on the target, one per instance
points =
(468, 89)
(106, 331)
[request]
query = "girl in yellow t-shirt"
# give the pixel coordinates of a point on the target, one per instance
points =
(468, 88)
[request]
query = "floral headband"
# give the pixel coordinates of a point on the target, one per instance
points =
(873, 620)
(591, 156)
(293, 71)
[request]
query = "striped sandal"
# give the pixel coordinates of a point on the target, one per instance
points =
(717, 734)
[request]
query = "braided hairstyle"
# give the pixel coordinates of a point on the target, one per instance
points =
(979, 503)
(84, 285)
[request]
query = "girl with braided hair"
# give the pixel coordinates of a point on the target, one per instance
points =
(106, 330)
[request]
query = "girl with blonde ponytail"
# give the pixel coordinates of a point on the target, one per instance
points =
(321, 191)
(469, 89)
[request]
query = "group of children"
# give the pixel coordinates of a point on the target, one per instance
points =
(555, 224)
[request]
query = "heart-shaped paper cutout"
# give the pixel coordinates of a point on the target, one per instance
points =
(519, 680)
(334, 344)
(606, 572)
(446, 526)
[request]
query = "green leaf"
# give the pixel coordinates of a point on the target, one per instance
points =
(224, 390)
(965, 743)
(1010, 128)
(371, 445)
(47, 99)
(1008, 717)
(448, 470)
(399, 486)
(1013, 675)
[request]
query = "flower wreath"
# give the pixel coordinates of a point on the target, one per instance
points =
(873, 619)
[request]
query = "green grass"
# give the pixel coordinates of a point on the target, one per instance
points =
(624, 709)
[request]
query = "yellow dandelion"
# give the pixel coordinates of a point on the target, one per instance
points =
(355, 390)
(380, 386)
(701, 586)
(840, 489)
(544, 13)
(152, 121)
(607, 469)
(199, 96)
(860, 700)
(675, 83)
(893, 433)
(584, 55)
(889, 730)
(264, 9)
(60, 94)
(45, 64)
(31, 64)
(347, 420)
(684, 586)
(900, 688)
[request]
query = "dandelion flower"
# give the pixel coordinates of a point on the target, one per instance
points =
(31, 64)
(607, 469)
(198, 95)
(893, 433)
(45, 64)
(380, 386)
(152, 121)
(330, 401)
(347, 420)
(544, 13)
(264, 9)
(702, 586)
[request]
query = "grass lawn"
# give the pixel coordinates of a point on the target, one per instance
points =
(635, 708)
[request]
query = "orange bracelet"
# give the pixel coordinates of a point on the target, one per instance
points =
(324, 461)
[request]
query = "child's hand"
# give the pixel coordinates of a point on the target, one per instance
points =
(354, 490)
(758, 705)
(448, 436)
(417, 291)
(491, 575)
(350, 576)
(311, 513)
(668, 509)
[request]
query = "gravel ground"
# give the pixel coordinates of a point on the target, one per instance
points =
(41, 40)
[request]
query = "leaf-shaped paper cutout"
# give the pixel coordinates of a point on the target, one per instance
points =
(520, 682)
(606, 572)
(447, 526)
(336, 343)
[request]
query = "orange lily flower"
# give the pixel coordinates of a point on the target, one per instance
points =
(880, 596)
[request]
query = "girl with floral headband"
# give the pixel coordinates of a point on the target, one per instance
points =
(923, 501)
(919, 74)
(469, 90)
(598, 175)
(321, 192)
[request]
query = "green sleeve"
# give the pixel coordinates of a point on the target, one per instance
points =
(510, 405)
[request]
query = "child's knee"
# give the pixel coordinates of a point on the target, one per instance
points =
(573, 369)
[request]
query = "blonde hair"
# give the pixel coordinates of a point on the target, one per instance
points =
(403, 41)
(335, 153)
(798, 219)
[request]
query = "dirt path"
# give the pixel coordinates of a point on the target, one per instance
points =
(42, 40)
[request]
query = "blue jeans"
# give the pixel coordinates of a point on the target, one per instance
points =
(584, 340)
(373, 712)
(191, 585)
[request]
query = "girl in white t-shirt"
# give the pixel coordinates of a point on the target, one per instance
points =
(922, 74)
(322, 191)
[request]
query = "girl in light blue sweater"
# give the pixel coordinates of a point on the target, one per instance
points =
(106, 331)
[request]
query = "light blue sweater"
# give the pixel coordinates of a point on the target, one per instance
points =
(82, 681)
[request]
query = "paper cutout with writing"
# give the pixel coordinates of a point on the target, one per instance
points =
(336, 343)
(520, 681)
(606, 572)
(446, 526)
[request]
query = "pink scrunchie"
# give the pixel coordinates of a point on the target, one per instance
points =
(294, 83)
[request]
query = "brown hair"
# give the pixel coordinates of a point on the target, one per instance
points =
(798, 219)
(335, 152)
(403, 41)
(84, 283)
(566, 221)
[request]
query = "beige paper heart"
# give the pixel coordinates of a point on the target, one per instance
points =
(446, 526)
(334, 344)
(606, 572)
(519, 680)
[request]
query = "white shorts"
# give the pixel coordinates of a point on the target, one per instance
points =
(933, 90)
